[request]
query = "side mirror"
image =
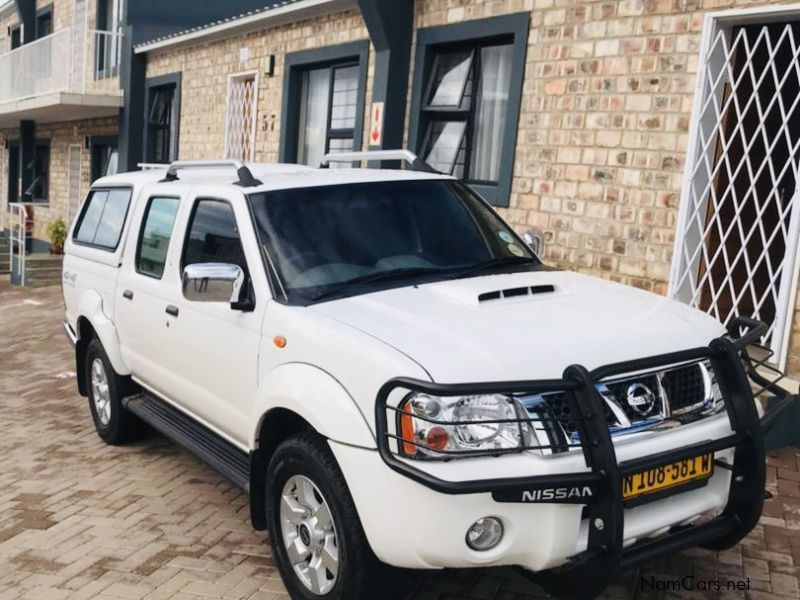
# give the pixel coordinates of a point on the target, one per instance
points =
(215, 282)
(534, 238)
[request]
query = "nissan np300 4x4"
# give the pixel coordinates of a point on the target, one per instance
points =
(396, 379)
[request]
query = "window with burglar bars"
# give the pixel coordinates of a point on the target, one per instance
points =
(736, 244)
(240, 124)
(465, 108)
(329, 102)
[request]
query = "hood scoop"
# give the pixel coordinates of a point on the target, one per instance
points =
(517, 293)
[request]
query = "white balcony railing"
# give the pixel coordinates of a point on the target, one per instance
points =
(70, 60)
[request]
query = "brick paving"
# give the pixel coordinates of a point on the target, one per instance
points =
(81, 520)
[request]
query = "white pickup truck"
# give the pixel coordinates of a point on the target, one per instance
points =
(396, 378)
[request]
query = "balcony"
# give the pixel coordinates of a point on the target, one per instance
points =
(71, 74)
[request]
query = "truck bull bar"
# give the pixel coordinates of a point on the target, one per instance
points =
(586, 573)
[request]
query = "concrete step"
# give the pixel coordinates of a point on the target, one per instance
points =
(42, 269)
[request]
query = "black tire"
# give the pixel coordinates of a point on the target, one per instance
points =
(361, 575)
(119, 425)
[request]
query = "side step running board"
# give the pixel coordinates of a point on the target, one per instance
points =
(212, 449)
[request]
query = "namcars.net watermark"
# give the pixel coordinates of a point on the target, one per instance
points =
(692, 583)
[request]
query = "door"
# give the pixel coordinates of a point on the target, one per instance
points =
(212, 350)
(736, 244)
(146, 286)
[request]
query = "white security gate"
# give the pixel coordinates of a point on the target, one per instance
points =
(240, 123)
(73, 181)
(736, 244)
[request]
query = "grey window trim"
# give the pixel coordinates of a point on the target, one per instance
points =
(45, 10)
(11, 31)
(100, 140)
(13, 147)
(514, 26)
(37, 143)
(294, 66)
(160, 81)
(101, 14)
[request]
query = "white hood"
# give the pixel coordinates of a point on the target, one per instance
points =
(458, 338)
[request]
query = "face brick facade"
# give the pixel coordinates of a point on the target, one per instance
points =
(61, 135)
(603, 129)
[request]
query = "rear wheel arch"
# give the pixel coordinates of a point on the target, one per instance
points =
(86, 334)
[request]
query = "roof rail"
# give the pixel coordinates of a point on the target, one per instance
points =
(415, 162)
(246, 178)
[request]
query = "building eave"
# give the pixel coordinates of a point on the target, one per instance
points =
(270, 17)
(8, 8)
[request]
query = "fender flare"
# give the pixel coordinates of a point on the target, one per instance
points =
(90, 307)
(316, 396)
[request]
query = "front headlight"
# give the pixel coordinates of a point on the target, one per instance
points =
(440, 427)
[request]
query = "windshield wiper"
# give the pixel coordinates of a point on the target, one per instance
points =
(495, 263)
(380, 276)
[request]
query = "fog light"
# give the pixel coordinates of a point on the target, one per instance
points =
(485, 534)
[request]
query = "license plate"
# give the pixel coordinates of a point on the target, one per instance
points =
(667, 476)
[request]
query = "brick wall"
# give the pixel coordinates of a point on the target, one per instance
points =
(61, 136)
(7, 20)
(64, 13)
(606, 109)
(603, 129)
(205, 69)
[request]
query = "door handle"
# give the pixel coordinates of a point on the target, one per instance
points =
(127, 294)
(172, 310)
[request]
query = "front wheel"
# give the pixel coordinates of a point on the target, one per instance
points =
(114, 424)
(315, 532)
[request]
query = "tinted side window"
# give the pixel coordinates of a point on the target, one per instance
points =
(213, 235)
(151, 254)
(103, 217)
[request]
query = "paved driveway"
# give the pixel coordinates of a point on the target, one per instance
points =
(79, 519)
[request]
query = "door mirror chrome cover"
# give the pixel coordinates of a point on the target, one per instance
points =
(213, 282)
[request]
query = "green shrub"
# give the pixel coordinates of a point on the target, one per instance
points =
(57, 232)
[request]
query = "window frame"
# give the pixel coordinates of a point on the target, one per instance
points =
(150, 85)
(45, 11)
(514, 29)
(14, 148)
(140, 237)
(102, 70)
(37, 144)
(95, 143)
(295, 65)
(14, 36)
(188, 230)
(85, 206)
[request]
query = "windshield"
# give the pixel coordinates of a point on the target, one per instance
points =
(346, 239)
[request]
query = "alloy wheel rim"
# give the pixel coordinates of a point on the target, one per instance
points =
(309, 534)
(100, 392)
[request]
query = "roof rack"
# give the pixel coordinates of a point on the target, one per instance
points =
(246, 178)
(414, 162)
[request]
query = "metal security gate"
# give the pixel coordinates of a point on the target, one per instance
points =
(736, 244)
(240, 123)
(73, 181)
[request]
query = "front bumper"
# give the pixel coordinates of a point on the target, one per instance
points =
(603, 547)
